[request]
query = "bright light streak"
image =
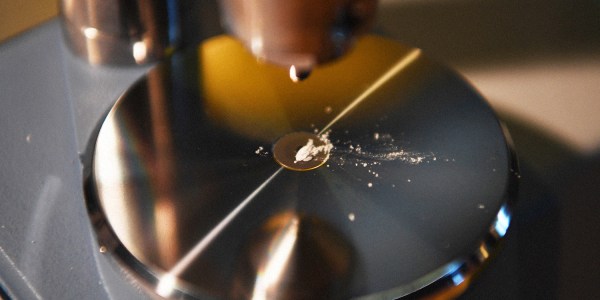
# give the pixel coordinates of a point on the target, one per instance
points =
(279, 256)
(395, 69)
(189, 258)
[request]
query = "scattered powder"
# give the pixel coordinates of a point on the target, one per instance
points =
(384, 148)
(261, 151)
(388, 152)
(378, 149)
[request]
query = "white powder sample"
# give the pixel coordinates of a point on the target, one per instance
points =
(304, 154)
(309, 151)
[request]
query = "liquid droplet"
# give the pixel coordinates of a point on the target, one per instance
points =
(297, 75)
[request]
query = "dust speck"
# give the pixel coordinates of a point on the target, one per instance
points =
(351, 217)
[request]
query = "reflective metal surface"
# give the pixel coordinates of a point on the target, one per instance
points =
(295, 33)
(301, 151)
(300, 33)
(413, 198)
(120, 32)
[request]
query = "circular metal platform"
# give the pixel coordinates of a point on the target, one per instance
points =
(191, 190)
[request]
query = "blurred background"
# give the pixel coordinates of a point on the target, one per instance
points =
(538, 64)
(17, 16)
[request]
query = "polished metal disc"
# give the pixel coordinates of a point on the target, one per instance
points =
(383, 174)
(301, 151)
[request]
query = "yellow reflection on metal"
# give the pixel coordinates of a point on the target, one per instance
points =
(483, 251)
(259, 101)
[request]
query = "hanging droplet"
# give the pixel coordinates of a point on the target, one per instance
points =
(297, 75)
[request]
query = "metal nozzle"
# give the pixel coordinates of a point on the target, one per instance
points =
(300, 33)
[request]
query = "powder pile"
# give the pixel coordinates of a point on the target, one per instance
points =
(310, 151)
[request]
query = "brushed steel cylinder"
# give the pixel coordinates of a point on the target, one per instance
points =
(120, 32)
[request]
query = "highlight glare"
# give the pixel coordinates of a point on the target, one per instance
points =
(90, 32)
(294, 74)
(279, 255)
(395, 69)
(166, 285)
(502, 221)
(140, 51)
